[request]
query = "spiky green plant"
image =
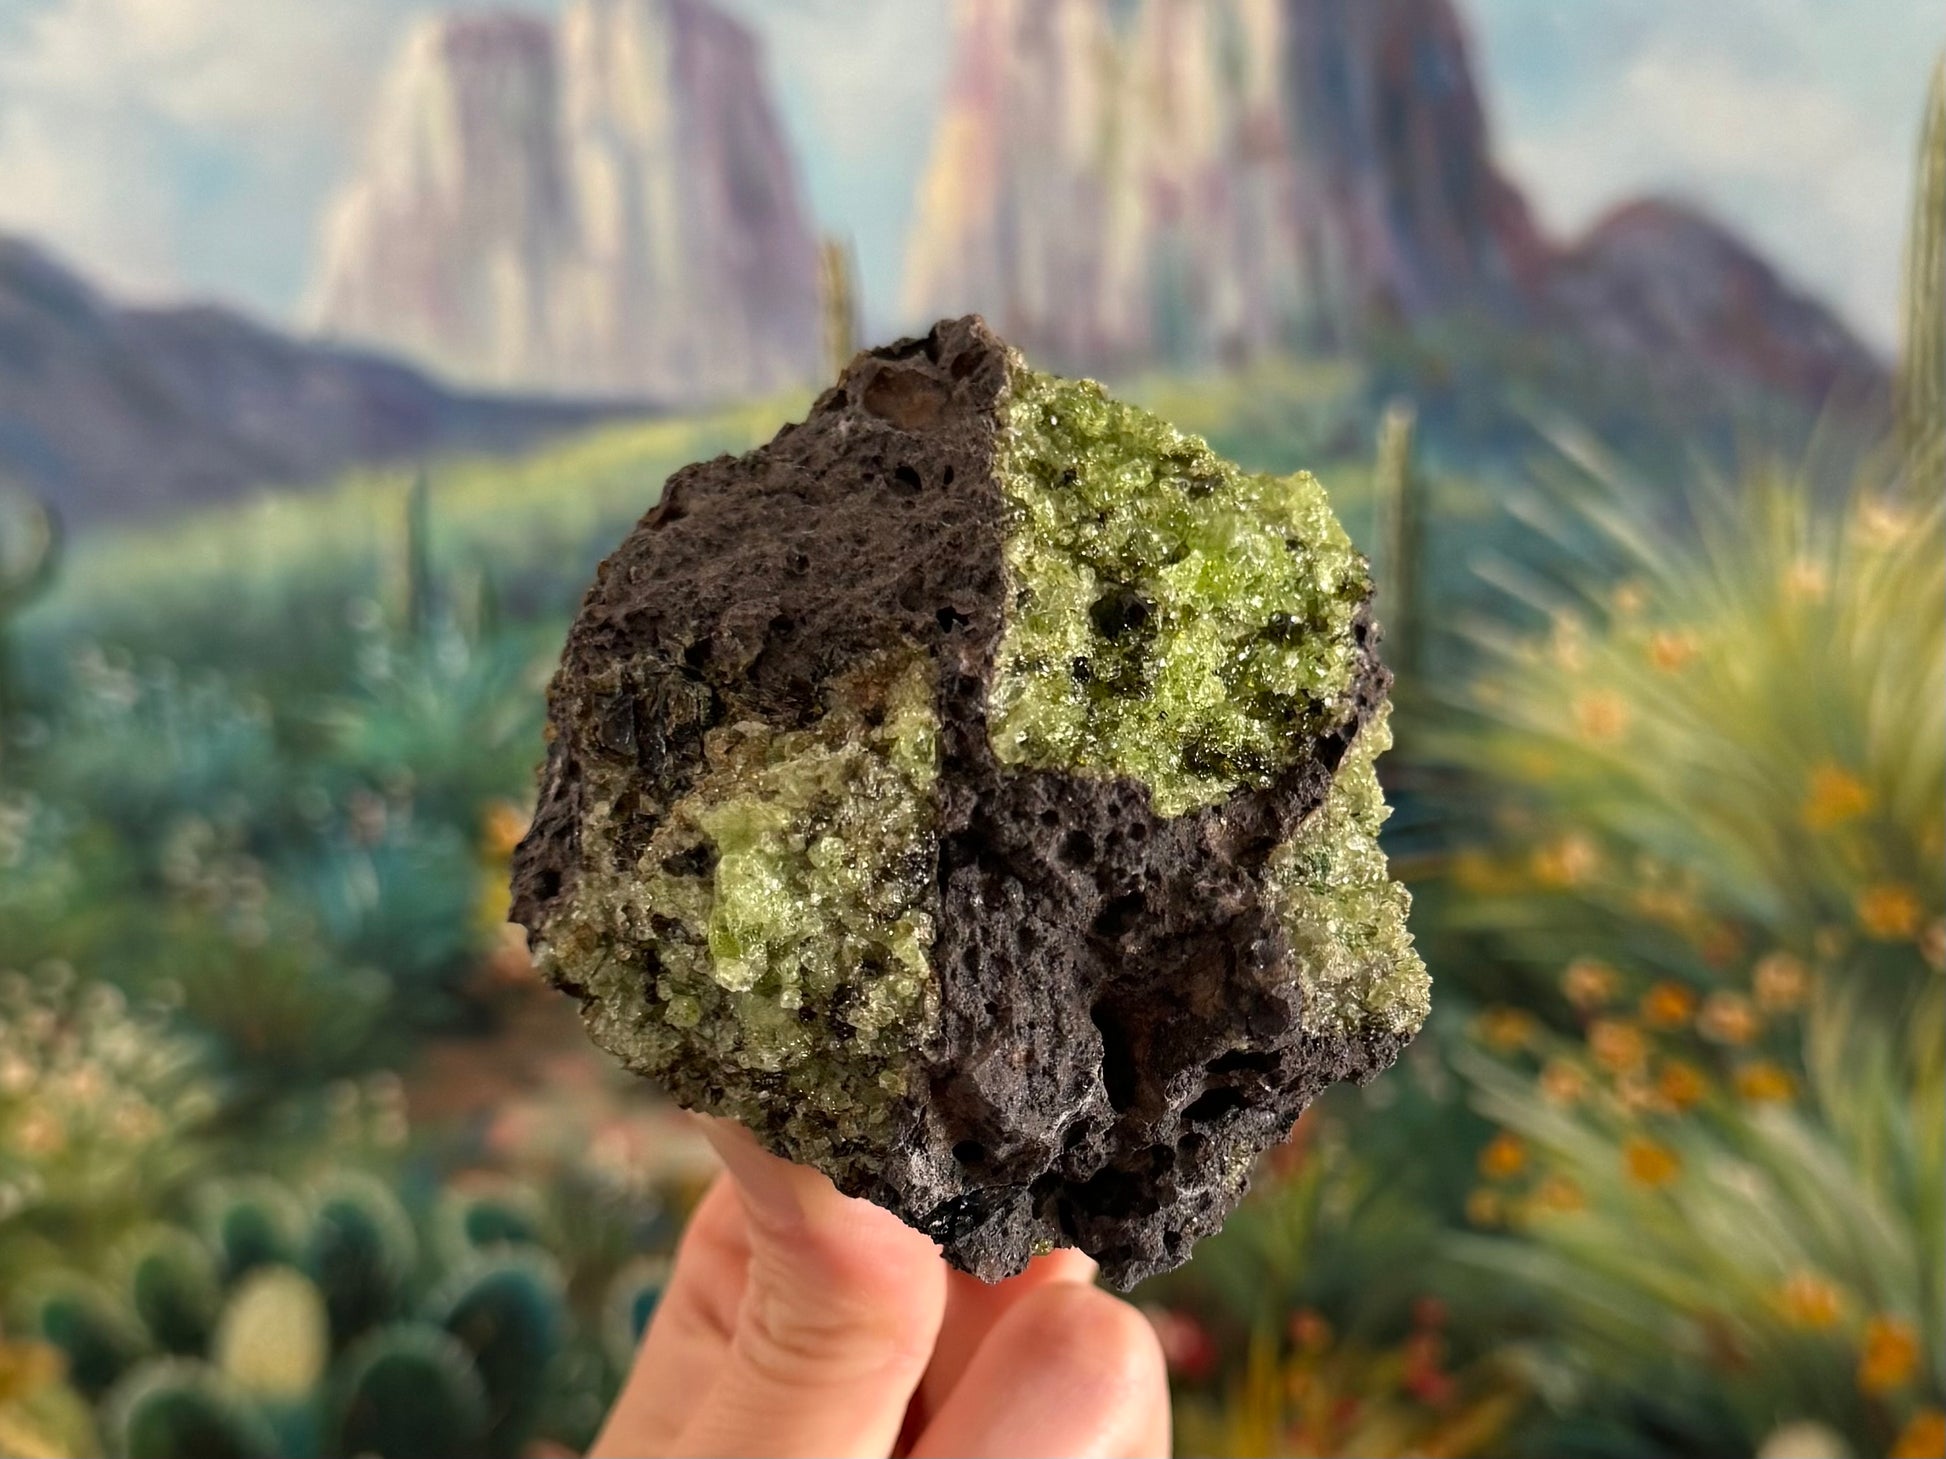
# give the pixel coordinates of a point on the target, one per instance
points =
(361, 1253)
(170, 1281)
(508, 1309)
(97, 1334)
(472, 1219)
(1922, 367)
(632, 1298)
(181, 1408)
(250, 1221)
(409, 1391)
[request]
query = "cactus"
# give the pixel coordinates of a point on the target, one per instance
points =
(251, 1222)
(509, 1311)
(171, 1285)
(417, 570)
(178, 1408)
(274, 1335)
(472, 1221)
(1922, 367)
(360, 1254)
(99, 1336)
(30, 556)
(632, 1297)
(840, 272)
(408, 1391)
(1399, 493)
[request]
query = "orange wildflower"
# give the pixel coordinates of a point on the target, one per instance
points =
(1590, 983)
(1782, 982)
(1668, 1005)
(1923, 1437)
(1503, 1157)
(1559, 1196)
(1484, 1207)
(1682, 1085)
(1504, 1029)
(1310, 1331)
(1728, 1018)
(1618, 1046)
(1835, 796)
(1890, 911)
(1601, 716)
(1890, 1356)
(1650, 1163)
(1765, 1083)
(1563, 1082)
(1672, 651)
(1810, 1300)
(501, 829)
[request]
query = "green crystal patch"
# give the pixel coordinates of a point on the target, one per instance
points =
(777, 917)
(1344, 915)
(1173, 618)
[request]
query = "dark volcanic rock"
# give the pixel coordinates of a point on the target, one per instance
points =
(972, 792)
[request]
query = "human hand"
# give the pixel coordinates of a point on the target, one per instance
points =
(799, 1321)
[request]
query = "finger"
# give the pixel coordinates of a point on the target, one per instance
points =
(1067, 1370)
(681, 1355)
(974, 1306)
(842, 1305)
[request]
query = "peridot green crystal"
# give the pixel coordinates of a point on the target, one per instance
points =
(1343, 913)
(785, 904)
(1172, 617)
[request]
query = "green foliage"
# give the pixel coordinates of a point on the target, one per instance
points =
(508, 1311)
(97, 1333)
(171, 1286)
(361, 1253)
(409, 1391)
(177, 1408)
(30, 556)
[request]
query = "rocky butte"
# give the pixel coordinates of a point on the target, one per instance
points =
(972, 792)
(606, 209)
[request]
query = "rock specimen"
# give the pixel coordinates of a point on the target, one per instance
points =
(972, 792)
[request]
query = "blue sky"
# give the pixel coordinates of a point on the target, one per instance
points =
(186, 147)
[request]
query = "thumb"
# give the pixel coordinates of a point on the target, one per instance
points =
(840, 1312)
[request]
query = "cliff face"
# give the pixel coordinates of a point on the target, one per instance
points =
(1211, 178)
(606, 211)
(1123, 182)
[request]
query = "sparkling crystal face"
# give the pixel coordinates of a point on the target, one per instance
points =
(1172, 617)
(1344, 915)
(776, 925)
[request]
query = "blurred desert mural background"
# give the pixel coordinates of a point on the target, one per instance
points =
(338, 342)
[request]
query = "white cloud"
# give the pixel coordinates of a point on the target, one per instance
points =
(1796, 132)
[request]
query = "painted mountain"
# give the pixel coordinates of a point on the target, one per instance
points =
(606, 208)
(1119, 182)
(110, 412)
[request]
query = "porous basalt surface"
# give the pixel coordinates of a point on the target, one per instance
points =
(971, 791)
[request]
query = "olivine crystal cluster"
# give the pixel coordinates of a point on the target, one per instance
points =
(972, 792)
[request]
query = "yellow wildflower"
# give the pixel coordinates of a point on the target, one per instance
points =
(1629, 599)
(1765, 1083)
(1782, 982)
(1484, 1207)
(1836, 796)
(1668, 1005)
(1590, 983)
(1890, 1356)
(1649, 1162)
(1923, 1437)
(1890, 911)
(1728, 1018)
(1682, 1084)
(1503, 1157)
(1810, 1300)
(1671, 651)
(1563, 1082)
(1601, 716)
(1617, 1045)
(1504, 1029)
